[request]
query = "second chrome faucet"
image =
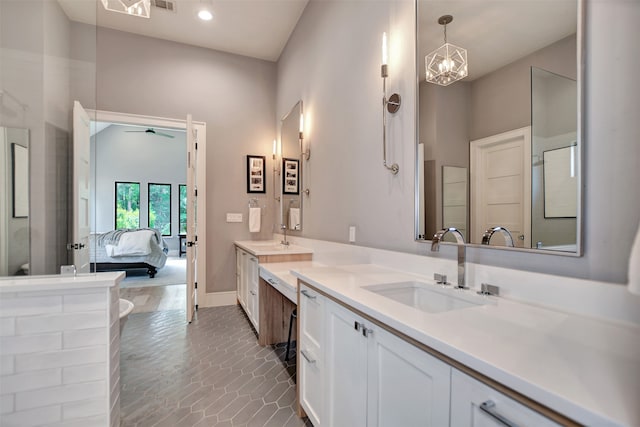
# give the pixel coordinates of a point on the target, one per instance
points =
(435, 247)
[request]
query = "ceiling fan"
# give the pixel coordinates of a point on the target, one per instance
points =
(153, 131)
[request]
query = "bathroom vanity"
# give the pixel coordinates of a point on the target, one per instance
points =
(267, 308)
(371, 351)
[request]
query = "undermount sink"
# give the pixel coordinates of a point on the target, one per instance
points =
(426, 297)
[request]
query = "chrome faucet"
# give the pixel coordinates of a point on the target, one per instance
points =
(435, 247)
(508, 238)
(284, 230)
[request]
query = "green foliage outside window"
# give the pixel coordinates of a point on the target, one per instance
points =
(183, 208)
(160, 208)
(127, 205)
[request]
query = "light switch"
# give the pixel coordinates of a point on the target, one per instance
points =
(352, 234)
(234, 217)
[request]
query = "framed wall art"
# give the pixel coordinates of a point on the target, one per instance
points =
(256, 178)
(290, 176)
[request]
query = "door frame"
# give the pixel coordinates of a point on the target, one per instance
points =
(201, 184)
(4, 192)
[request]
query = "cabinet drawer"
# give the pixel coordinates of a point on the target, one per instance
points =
(476, 404)
(312, 322)
(311, 381)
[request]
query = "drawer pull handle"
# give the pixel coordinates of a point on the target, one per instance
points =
(357, 325)
(307, 358)
(489, 407)
(273, 282)
(252, 292)
(307, 294)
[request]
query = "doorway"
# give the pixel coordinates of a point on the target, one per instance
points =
(158, 202)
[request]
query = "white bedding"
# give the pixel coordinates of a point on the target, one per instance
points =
(129, 246)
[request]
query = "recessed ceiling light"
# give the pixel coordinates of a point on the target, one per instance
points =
(205, 15)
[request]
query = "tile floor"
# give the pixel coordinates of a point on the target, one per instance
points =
(209, 373)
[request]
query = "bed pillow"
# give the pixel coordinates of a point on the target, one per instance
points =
(134, 243)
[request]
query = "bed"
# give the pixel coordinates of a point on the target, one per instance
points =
(141, 248)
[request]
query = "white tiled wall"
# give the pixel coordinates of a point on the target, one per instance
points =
(59, 358)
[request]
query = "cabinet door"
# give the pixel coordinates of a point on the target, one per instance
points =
(469, 397)
(346, 368)
(253, 297)
(241, 276)
(311, 357)
(407, 386)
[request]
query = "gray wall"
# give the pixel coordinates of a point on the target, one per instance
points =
(118, 155)
(501, 100)
(232, 94)
(335, 71)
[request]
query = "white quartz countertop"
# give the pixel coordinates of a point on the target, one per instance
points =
(59, 282)
(271, 247)
(584, 368)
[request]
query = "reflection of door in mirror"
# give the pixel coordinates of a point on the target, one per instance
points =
(454, 199)
(505, 90)
(14, 201)
(501, 186)
(291, 170)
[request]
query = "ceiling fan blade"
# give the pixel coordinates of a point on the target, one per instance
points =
(164, 134)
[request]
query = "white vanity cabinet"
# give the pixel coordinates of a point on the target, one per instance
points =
(368, 376)
(247, 285)
(474, 404)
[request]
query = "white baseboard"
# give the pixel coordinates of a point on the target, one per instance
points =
(217, 299)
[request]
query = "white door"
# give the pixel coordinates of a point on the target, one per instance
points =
(407, 387)
(501, 186)
(346, 368)
(192, 218)
(81, 182)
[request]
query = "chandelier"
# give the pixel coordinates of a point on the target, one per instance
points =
(448, 63)
(141, 8)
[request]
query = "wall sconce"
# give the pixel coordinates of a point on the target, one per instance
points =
(276, 170)
(306, 154)
(392, 105)
(139, 8)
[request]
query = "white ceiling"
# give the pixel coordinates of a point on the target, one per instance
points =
(255, 28)
(495, 32)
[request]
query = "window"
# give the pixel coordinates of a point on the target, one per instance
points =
(127, 205)
(160, 208)
(182, 208)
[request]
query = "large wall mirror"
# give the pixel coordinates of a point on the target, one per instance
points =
(14, 201)
(498, 141)
(290, 180)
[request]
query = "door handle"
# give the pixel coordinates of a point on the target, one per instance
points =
(189, 244)
(306, 356)
(489, 407)
(307, 294)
